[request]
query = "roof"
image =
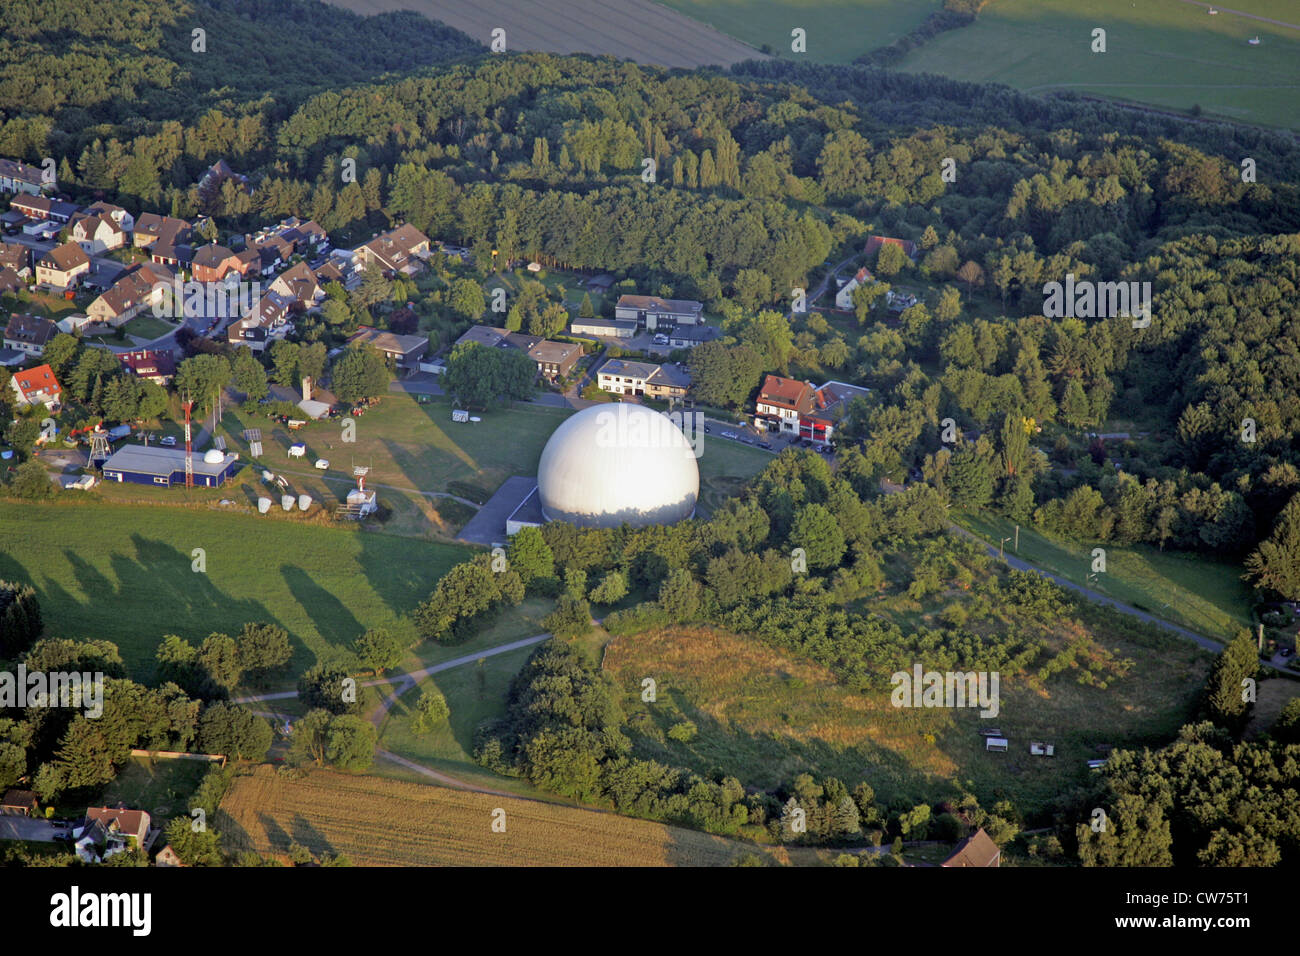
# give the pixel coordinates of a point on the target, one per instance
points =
(300, 282)
(787, 393)
(16, 169)
(89, 225)
(162, 462)
(652, 303)
(15, 255)
(641, 370)
(162, 227)
(875, 242)
(390, 341)
(831, 402)
(32, 329)
(40, 378)
(148, 362)
(978, 849)
(18, 798)
(65, 257)
(603, 324)
(671, 375)
(134, 287)
(555, 353)
(483, 335)
(211, 256)
(135, 822)
(11, 281)
(395, 248)
(696, 333)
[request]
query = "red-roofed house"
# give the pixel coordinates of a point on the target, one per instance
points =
(781, 403)
(37, 386)
(110, 830)
(153, 364)
(978, 849)
(875, 242)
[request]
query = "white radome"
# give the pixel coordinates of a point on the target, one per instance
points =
(613, 464)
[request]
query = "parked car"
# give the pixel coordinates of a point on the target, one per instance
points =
(765, 444)
(731, 435)
(168, 440)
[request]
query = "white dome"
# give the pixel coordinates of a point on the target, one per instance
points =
(610, 464)
(213, 456)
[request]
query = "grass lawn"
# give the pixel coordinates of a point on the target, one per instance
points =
(123, 573)
(161, 787)
(148, 327)
(837, 30)
(1195, 591)
(766, 716)
(1164, 52)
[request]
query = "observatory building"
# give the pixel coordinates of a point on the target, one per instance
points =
(154, 465)
(605, 466)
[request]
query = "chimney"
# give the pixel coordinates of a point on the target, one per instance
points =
(306, 388)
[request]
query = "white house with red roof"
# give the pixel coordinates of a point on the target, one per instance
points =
(37, 386)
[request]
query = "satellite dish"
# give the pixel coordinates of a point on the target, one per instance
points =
(304, 502)
(263, 505)
(286, 502)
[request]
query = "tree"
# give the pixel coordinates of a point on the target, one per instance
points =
(360, 372)
(195, 848)
(679, 595)
(818, 532)
(586, 310)
(480, 376)
(219, 662)
(351, 743)
(971, 274)
(571, 617)
(20, 619)
(263, 649)
(330, 687)
(612, 587)
(724, 375)
(234, 731)
(202, 377)
(1226, 702)
(529, 555)
(467, 299)
(379, 650)
(61, 352)
(1275, 564)
(310, 741)
(430, 711)
(31, 481)
(891, 259)
(1075, 409)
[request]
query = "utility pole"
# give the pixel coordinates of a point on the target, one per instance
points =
(1001, 544)
(1016, 546)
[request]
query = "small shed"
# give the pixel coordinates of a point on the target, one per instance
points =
(18, 803)
(297, 450)
(996, 744)
(459, 415)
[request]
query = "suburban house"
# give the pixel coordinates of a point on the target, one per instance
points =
(16, 256)
(131, 294)
(107, 831)
(554, 359)
(292, 236)
(978, 849)
(689, 336)
(155, 365)
(18, 803)
(830, 406)
(43, 208)
(116, 213)
(844, 298)
(264, 325)
(216, 174)
(612, 328)
(300, 284)
(781, 403)
(11, 281)
(899, 301)
(18, 177)
(652, 312)
(29, 333)
(177, 255)
(403, 250)
(404, 350)
(151, 228)
(97, 234)
(212, 263)
(621, 377)
(62, 265)
(167, 856)
(37, 386)
(876, 242)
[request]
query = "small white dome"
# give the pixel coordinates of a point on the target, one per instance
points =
(213, 456)
(610, 464)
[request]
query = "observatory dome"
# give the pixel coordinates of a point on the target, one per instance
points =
(213, 456)
(610, 464)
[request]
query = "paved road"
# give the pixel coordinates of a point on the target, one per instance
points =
(1242, 13)
(26, 828)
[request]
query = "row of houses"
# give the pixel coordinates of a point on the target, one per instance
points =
(18, 177)
(555, 360)
(668, 381)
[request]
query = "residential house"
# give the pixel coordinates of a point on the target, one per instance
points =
(138, 289)
(155, 365)
(44, 208)
(62, 266)
(216, 174)
(11, 282)
(781, 403)
(124, 219)
(37, 386)
(670, 382)
(612, 328)
(268, 322)
(978, 849)
(300, 284)
(689, 336)
(18, 177)
(404, 249)
(16, 256)
(97, 234)
(898, 300)
(844, 298)
(168, 856)
(831, 404)
(652, 312)
(151, 228)
(29, 333)
(620, 377)
(179, 256)
(555, 360)
(405, 351)
(875, 243)
(107, 831)
(18, 803)
(212, 263)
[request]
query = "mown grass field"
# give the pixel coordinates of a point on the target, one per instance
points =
(837, 30)
(1169, 53)
(125, 574)
(379, 822)
(634, 29)
(766, 716)
(1195, 591)
(162, 787)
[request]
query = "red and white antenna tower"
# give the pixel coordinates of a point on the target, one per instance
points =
(187, 403)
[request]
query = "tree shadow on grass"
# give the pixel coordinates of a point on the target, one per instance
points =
(334, 622)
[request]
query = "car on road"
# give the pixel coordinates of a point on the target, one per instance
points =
(732, 435)
(168, 440)
(765, 444)
(746, 439)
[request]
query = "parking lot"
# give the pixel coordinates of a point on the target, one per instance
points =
(28, 828)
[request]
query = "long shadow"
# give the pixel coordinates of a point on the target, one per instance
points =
(335, 623)
(304, 834)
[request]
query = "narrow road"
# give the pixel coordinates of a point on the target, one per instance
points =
(1242, 13)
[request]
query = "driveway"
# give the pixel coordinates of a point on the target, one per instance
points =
(26, 828)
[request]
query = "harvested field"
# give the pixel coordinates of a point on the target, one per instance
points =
(634, 29)
(380, 822)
